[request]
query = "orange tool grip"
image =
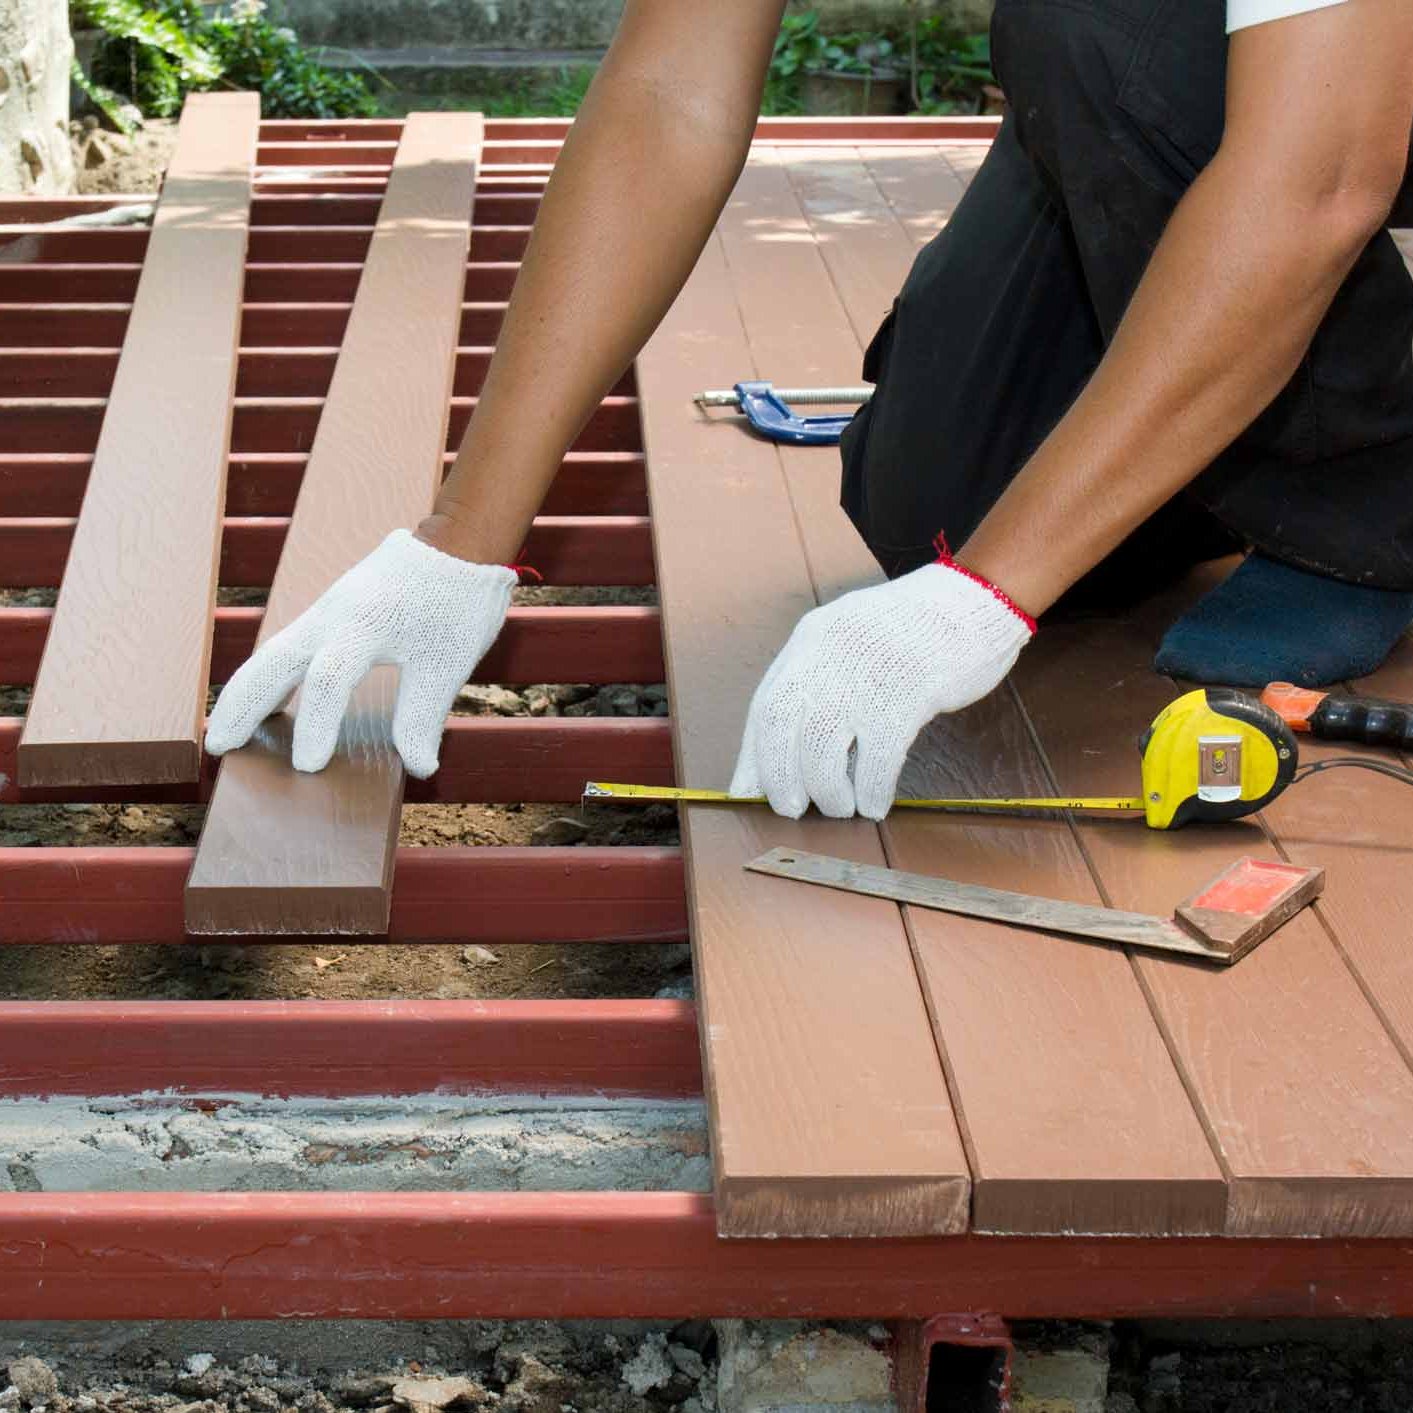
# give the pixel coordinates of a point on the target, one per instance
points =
(1294, 705)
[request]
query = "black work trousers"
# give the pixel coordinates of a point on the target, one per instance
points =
(1115, 106)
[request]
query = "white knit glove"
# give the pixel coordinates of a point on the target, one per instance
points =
(861, 676)
(430, 613)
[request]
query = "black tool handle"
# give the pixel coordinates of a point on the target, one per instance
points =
(1363, 719)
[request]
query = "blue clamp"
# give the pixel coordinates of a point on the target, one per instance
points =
(773, 419)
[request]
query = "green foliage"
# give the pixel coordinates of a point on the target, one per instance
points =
(560, 99)
(157, 53)
(110, 104)
(153, 26)
(798, 46)
(291, 82)
(948, 67)
(801, 46)
(951, 67)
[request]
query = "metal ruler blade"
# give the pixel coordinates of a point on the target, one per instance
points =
(995, 904)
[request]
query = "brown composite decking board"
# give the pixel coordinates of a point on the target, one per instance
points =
(1032, 1029)
(1360, 826)
(121, 692)
(923, 196)
(830, 1115)
(1307, 1098)
(295, 853)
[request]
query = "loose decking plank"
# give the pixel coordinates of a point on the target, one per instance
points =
(281, 851)
(829, 1110)
(121, 691)
(1054, 1143)
(1306, 1097)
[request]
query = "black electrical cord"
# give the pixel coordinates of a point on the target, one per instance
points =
(1380, 767)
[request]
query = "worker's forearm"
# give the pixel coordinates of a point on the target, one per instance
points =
(642, 178)
(1230, 301)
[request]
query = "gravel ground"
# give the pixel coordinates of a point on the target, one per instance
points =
(527, 1367)
(109, 162)
(342, 971)
(347, 972)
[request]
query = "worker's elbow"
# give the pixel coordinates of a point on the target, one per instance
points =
(1351, 215)
(1351, 199)
(1332, 202)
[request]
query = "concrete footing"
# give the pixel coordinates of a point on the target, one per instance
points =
(789, 1367)
(421, 1142)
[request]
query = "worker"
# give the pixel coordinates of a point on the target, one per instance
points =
(1166, 320)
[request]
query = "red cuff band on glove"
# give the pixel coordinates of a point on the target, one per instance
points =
(944, 556)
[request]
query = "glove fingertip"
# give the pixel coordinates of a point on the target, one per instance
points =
(419, 764)
(217, 744)
(871, 809)
(310, 753)
(745, 784)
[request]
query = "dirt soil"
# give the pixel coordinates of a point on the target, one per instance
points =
(109, 162)
(523, 1367)
(1353, 1366)
(348, 971)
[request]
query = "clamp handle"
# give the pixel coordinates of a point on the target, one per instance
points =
(1368, 721)
(774, 419)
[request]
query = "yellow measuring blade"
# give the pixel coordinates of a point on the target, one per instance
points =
(608, 790)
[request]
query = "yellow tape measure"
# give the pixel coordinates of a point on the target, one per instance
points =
(1213, 754)
(646, 794)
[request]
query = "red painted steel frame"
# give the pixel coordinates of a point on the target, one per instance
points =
(340, 1048)
(584, 894)
(597, 549)
(595, 645)
(453, 1255)
(265, 483)
(487, 759)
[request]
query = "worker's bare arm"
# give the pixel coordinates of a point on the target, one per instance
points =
(642, 178)
(658, 144)
(1319, 110)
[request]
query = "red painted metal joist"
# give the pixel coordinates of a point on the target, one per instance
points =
(650, 1255)
(264, 284)
(337, 1049)
(265, 483)
(463, 894)
(43, 483)
(594, 645)
(292, 323)
(268, 244)
(562, 549)
(491, 760)
(263, 372)
(44, 424)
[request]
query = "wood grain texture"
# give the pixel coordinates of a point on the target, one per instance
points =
(829, 1111)
(121, 692)
(1359, 826)
(283, 851)
(1304, 1094)
(1032, 1030)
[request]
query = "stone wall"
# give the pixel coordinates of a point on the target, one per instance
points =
(35, 50)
